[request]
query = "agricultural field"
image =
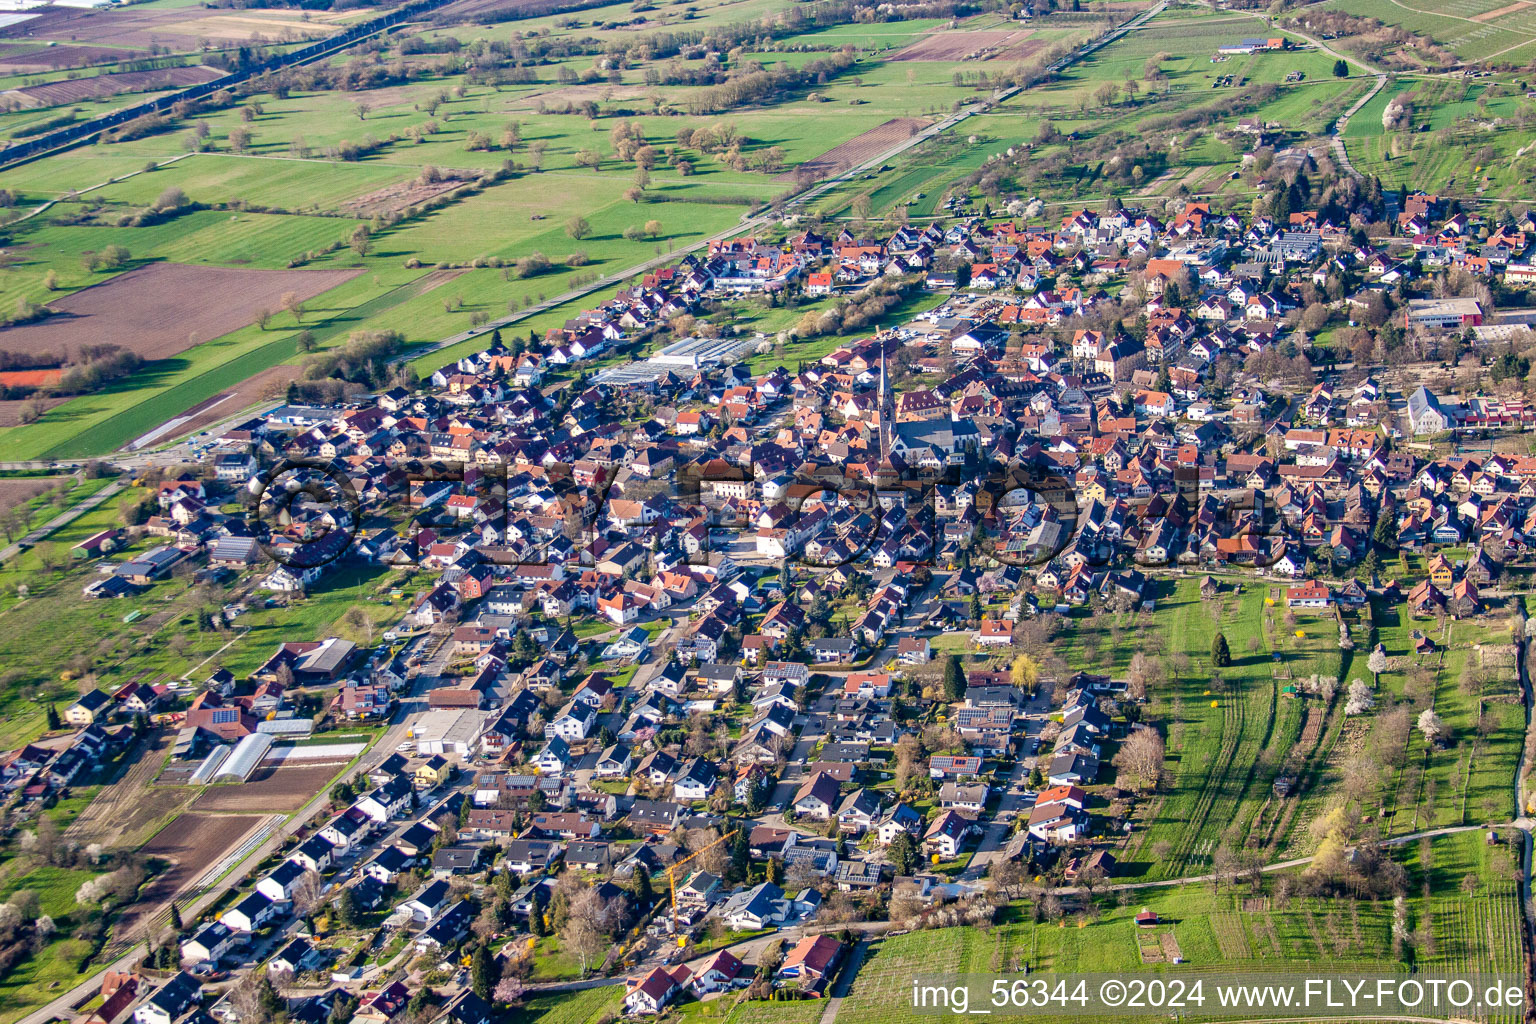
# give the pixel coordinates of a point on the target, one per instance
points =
(1230, 732)
(159, 310)
(1495, 31)
(570, 1008)
(280, 788)
(1463, 136)
(803, 1011)
(286, 182)
(190, 845)
(1225, 929)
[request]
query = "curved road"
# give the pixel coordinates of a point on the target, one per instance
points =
(1336, 131)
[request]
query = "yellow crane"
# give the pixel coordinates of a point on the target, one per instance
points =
(672, 876)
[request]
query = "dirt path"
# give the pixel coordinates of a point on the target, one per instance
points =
(844, 982)
(129, 804)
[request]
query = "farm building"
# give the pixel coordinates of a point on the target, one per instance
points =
(243, 760)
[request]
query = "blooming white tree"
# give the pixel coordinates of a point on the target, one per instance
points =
(1432, 725)
(1360, 699)
(93, 891)
(1377, 662)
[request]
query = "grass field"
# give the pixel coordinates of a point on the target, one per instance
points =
(1465, 137)
(1218, 931)
(1231, 733)
(582, 1007)
(1505, 38)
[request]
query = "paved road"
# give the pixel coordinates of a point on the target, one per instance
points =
(62, 519)
(62, 1005)
(1012, 802)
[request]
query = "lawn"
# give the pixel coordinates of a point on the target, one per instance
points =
(1217, 930)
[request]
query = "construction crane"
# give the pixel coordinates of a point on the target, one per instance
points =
(672, 876)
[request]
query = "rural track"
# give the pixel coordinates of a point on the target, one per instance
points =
(61, 520)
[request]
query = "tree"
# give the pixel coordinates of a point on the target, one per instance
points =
(1385, 533)
(1341, 68)
(307, 892)
(294, 305)
(954, 679)
(482, 972)
(902, 852)
(588, 926)
(1025, 672)
(255, 1000)
(644, 896)
(342, 1009)
(175, 918)
(1142, 674)
(741, 854)
(1432, 726)
(578, 228)
(1140, 757)
(653, 228)
(53, 718)
(1221, 655)
(1360, 698)
(538, 924)
(346, 908)
(1377, 663)
(510, 989)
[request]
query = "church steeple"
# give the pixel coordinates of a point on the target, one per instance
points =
(885, 410)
